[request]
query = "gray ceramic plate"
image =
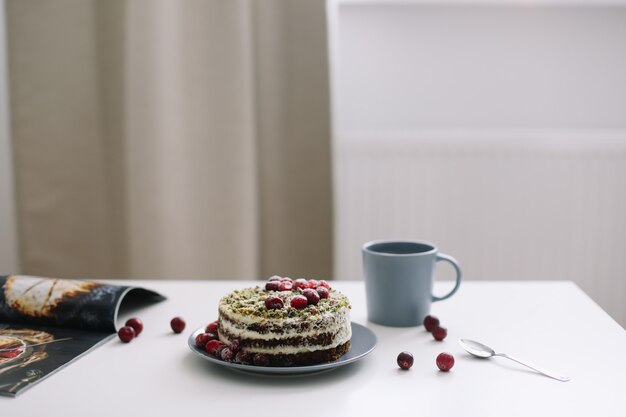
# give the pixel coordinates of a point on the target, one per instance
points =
(363, 342)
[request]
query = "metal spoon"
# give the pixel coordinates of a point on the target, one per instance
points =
(482, 351)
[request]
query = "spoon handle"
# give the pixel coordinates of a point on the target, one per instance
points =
(535, 368)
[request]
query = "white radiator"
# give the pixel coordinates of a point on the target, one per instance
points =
(508, 205)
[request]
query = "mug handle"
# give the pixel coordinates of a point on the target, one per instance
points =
(457, 268)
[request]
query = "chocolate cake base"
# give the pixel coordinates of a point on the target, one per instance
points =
(310, 358)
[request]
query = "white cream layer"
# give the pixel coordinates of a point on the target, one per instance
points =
(343, 335)
(339, 320)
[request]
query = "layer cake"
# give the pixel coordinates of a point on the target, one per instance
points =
(308, 330)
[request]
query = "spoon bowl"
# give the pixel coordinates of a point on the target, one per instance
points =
(477, 349)
(483, 351)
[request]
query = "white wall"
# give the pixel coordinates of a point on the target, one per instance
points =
(415, 67)
(496, 131)
(8, 235)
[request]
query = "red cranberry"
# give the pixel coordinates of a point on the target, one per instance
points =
(445, 361)
(312, 296)
(275, 278)
(178, 324)
(202, 339)
(313, 283)
(126, 334)
(244, 358)
(285, 286)
(227, 354)
(272, 286)
(136, 324)
(211, 336)
(212, 327)
(405, 360)
(261, 359)
(274, 303)
(212, 346)
(286, 279)
(218, 351)
(299, 302)
(324, 284)
(235, 345)
(323, 292)
(440, 333)
(430, 322)
(301, 283)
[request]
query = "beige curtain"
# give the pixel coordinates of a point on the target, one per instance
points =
(171, 139)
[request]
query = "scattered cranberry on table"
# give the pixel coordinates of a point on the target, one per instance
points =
(274, 303)
(136, 324)
(299, 302)
(177, 324)
(275, 278)
(430, 322)
(405, 360)
(126, 334)
(445, 361)
(440, 333)
(312, 296)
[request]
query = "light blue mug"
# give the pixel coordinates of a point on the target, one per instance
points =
(399, 279)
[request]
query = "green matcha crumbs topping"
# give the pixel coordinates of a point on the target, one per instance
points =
(251, 302)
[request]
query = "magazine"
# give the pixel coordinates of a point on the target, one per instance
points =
(46, 323)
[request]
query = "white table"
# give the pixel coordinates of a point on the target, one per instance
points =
(552, 324)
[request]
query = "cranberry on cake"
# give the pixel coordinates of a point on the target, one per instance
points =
(286, 323)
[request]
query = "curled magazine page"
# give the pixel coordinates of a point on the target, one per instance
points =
(47, 323)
